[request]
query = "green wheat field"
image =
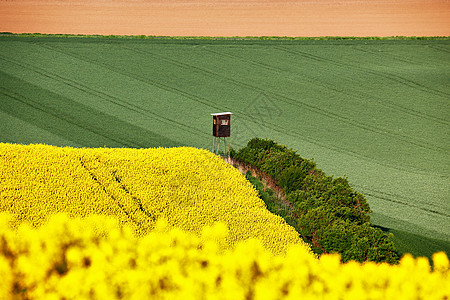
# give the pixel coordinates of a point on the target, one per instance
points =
(375, 110)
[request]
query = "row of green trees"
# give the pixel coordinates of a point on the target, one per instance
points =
(328, 213)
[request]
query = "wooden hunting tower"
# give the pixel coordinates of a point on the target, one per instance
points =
(221, 131)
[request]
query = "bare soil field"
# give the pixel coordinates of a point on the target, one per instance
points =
(228, 18)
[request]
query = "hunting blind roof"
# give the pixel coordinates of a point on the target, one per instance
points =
(222, 113)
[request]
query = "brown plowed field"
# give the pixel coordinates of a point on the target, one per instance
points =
(228, 18)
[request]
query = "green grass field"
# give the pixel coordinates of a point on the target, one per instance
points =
(377, 111)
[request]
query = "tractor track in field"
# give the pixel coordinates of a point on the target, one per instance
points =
(312, 107)
(402, 200)
(104, 188)
(286, 99)
(245, 116)
(387, 53)
(106, 97)
(192, 97)
(396, 78)
(439, 48)
(60, 115)
(130, 75)
(137, 200)
(391, 56)
(383, 102)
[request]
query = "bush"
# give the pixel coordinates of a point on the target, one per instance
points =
(330, 215)
(292, 178)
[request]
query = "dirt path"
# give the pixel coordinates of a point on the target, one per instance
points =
(265, 179)
(228, 17)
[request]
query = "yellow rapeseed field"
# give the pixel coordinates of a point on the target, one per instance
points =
(174, 223)
(95, 258)
(190, 187)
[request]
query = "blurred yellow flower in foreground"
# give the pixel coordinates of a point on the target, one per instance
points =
(97, 258)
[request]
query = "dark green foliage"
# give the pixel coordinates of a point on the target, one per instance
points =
(330, 215)
(335, 194)
(292, 178)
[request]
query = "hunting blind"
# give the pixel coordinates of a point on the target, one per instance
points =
(221, 131)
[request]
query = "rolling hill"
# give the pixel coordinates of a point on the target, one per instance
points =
(374, 110)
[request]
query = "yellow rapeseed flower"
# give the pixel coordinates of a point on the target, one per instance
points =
(96, 257)
(191, 188)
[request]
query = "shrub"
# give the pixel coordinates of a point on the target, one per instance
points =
(331, 216)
